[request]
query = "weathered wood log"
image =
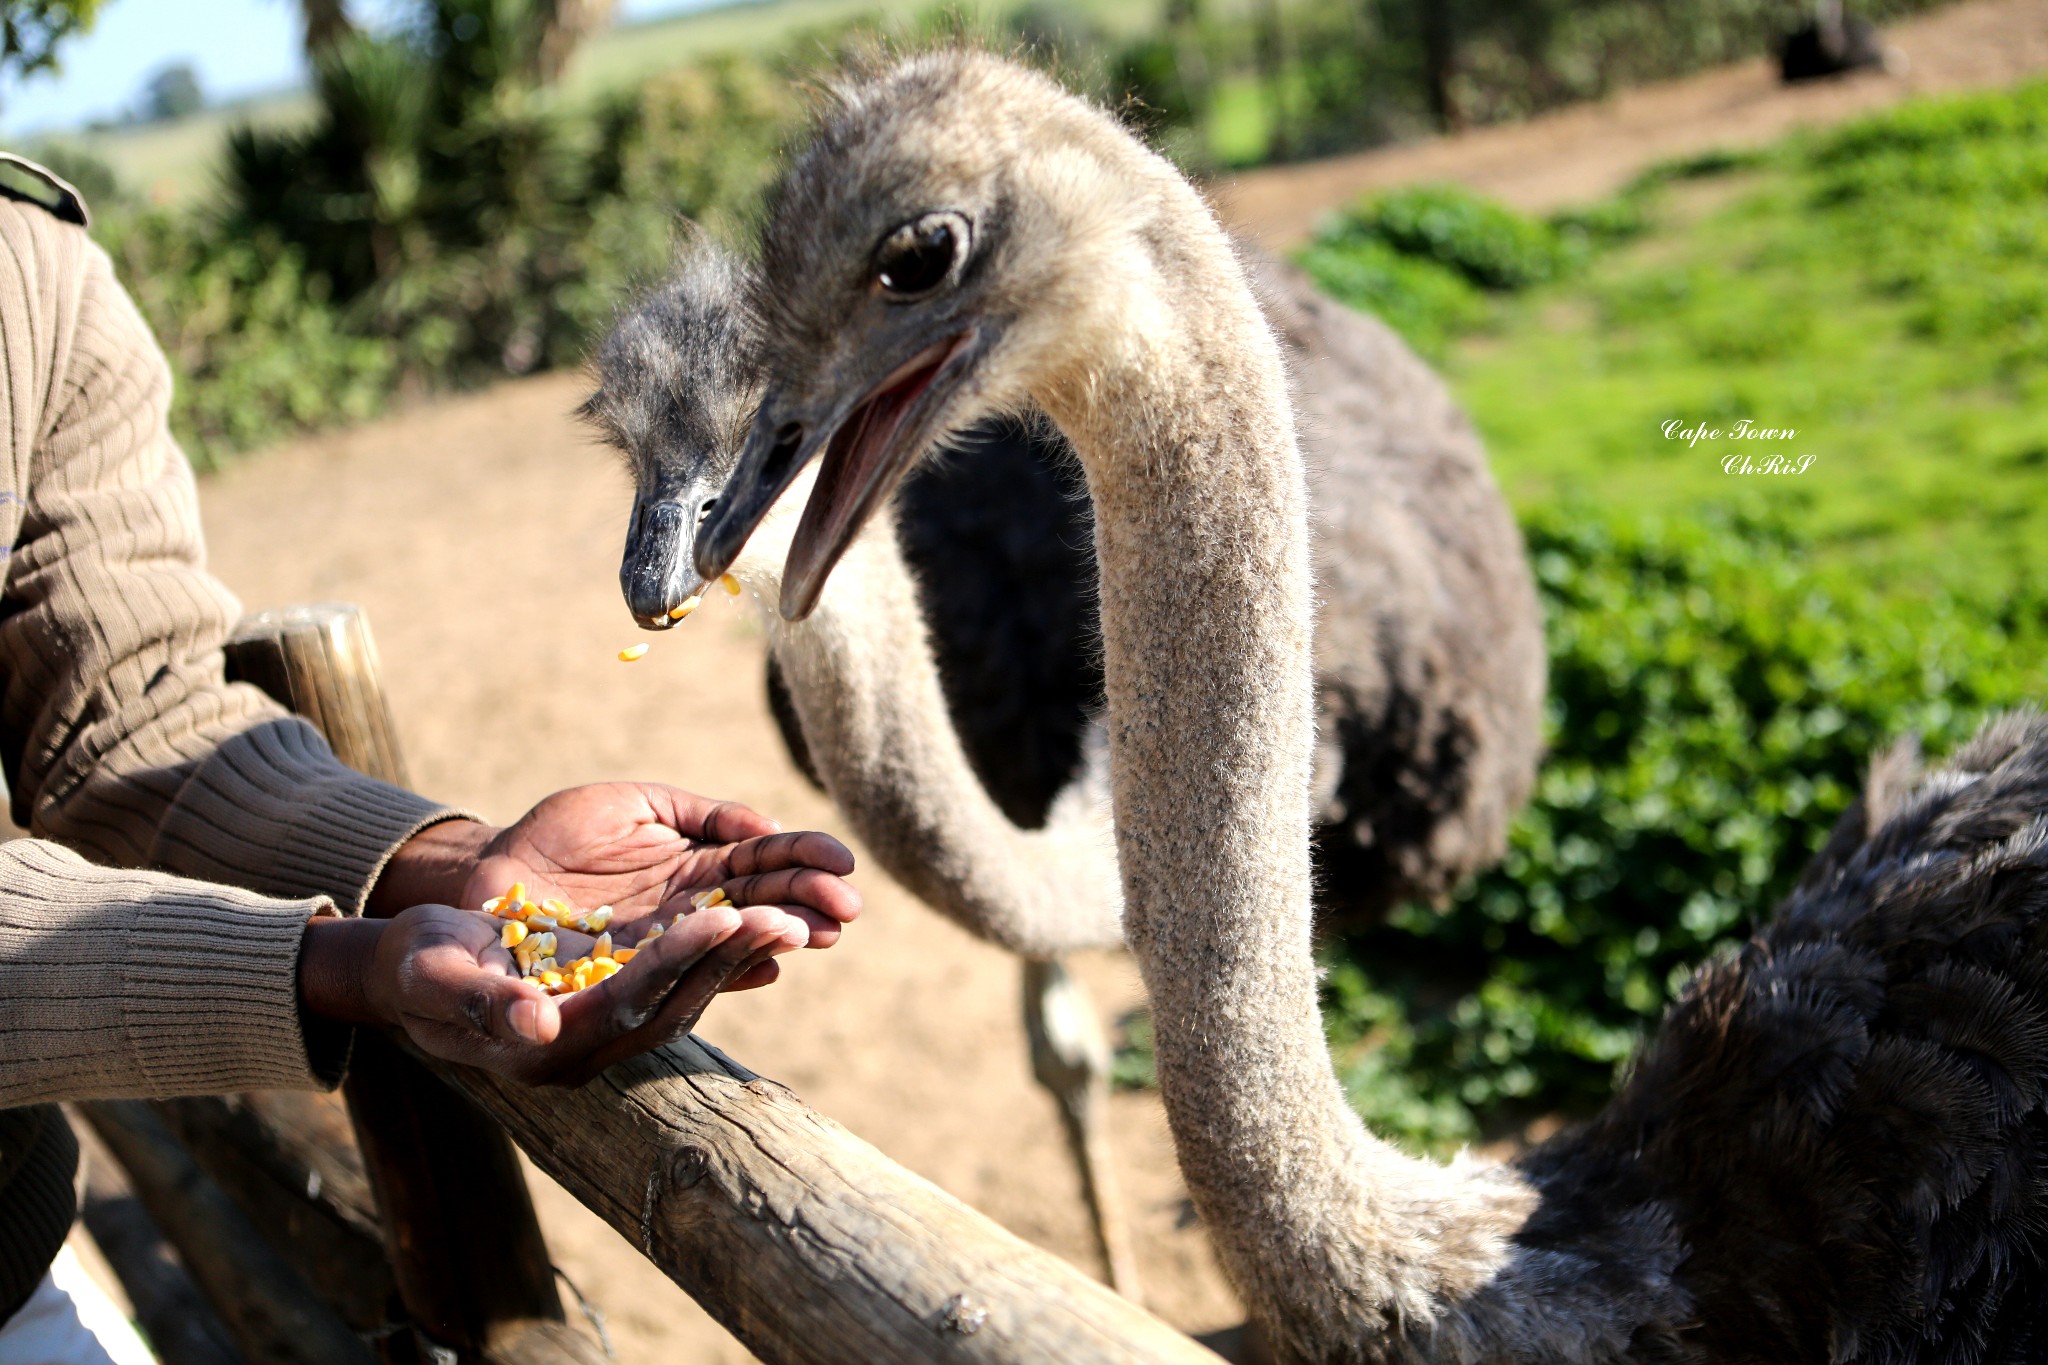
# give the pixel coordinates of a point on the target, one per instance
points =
(808, 1245)
(181, 1326)
(288, 1158)
(457, 1223)
(321, 662)
(272, 1314)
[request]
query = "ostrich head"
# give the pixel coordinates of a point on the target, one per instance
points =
(957, 238)
(677, 387)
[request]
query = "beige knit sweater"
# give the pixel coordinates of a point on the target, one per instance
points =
(122, 742)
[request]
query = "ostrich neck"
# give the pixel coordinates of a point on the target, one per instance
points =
(865, 684)
(1187, 438)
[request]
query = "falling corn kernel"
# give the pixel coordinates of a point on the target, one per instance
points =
(604, 946)
(632, 652)
(623, 955)
(685, 607)
(729, 583)
(512, 935)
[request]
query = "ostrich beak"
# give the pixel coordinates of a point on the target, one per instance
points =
(654, 572)
(870, 434)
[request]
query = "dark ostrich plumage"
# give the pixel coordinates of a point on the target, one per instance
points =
(1836, 1149)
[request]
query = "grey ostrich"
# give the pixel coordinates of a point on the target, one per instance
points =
(1837, 1148)
(1429, 657)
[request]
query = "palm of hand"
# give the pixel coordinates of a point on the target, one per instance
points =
(637, 848)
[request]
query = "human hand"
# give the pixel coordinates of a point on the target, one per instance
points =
(640, 848)
(440, 975)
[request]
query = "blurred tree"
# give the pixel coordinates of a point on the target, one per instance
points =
(324, 24)
(30, 31)
(172, 93)
(1440, 62)
(564, 24)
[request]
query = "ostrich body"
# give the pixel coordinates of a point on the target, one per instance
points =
(978, 793)
(1835, 1148)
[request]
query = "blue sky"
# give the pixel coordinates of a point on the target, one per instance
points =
(239, 47)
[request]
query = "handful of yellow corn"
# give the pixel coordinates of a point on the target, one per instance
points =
(528, 933)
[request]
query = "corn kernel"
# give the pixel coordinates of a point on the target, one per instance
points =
(512, 935)
(517, 893)
(544, 944)
(654, 931)
(729, 583)
(684, 608)
(548, 964)
(536, 920)
(600, 919)
(557, 908)
(491, 905)
(623, 955)
(632, 652)
(604, 946)
(551, 977)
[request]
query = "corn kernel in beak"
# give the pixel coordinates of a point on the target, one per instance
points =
(685, 607)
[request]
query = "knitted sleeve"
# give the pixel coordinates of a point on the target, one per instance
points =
(120, 738)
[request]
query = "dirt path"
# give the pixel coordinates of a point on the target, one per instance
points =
(482, 534)
(1581, 153)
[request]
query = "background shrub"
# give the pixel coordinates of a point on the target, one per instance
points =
(1714, 704)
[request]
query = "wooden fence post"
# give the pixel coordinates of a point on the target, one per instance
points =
(458, 1224)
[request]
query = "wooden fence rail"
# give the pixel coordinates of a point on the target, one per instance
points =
(808, 1245)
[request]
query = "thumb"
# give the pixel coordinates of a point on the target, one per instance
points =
(453, 988)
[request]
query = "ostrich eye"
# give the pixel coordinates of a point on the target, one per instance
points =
(919, 256)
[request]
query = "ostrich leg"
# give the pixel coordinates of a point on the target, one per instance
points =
(1070, 1057)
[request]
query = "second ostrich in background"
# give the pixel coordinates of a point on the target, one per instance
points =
(946, 693)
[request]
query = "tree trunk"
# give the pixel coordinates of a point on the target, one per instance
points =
(325, 23)
(566, 23)
(1439, 63)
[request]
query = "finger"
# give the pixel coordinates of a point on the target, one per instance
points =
(445, 985)
(707, 820)
(798, 848)
(805, 886)
(754, 977)
(763, 934)
(636, 993)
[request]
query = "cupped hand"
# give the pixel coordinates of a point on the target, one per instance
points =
(643, 848)
(441, 975)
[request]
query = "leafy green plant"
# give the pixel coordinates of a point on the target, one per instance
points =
(1713, 706)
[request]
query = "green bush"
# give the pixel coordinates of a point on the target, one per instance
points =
(1423, 259)
(1713, 706)
(257, 349)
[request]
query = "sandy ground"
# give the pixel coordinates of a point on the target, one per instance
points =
(481, 534)
(1581, 153)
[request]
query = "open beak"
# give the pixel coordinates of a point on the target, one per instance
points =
(869, 442)
(655, 573)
